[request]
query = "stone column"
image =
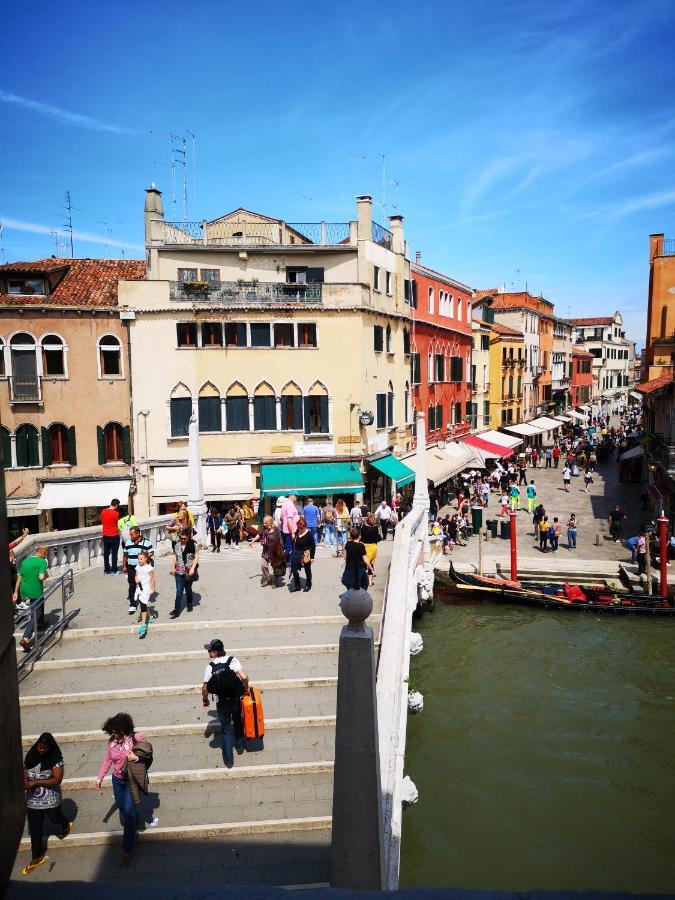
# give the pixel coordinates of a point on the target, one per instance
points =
(356, 856)
(195, 481)
(421, 496)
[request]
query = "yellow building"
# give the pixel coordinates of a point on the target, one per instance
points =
(290, 342)
(507, 364)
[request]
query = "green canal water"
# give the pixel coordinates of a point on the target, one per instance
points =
(545, 753)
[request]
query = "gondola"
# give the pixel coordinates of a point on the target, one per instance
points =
(595, 598)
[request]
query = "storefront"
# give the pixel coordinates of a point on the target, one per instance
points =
(317, 480)
(484, 450)
(78, 503)
(442, 464)
(385, 477)
(222, 483)
(526, 430)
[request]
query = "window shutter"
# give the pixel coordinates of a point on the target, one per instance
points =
(381, 410)
(100, 440)
(46, 455)
(5, 448)
(413, 292)
(432, 419)
(439, 416)
(126, 444)
(323, 414)
(33, 445)
(72, 447)
(315, 276)
(390, 409)
(21, 449)
(406, 289)
(306, 403)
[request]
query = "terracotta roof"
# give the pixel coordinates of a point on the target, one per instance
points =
(505, 330)
(480, 295)
(522, 300)
(74, 282)
(432, 274)
(594, 320)
(650, 387)
(582, 353)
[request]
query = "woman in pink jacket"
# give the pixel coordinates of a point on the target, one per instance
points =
(123, 736)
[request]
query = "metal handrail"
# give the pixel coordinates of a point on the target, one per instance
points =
(64, 583)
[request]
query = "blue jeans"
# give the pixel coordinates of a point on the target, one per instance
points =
(329, 534)
(631, 543)
(571, 538)
(315, 534)
(111, 546)
(288, 545)
(182, 584)
(229, 716)
(28, 631)
(126, 807)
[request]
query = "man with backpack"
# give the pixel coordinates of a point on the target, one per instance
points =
(225, 677)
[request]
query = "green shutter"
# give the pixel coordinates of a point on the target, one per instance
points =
(72, 446)
(46, 455)
(323, 414)
(21, 449)
(5, 448)
(33, 447)
(100, 440)
(306, 402)
(126, 444)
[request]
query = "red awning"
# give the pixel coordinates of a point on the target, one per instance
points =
(487, 446)
(659, 491)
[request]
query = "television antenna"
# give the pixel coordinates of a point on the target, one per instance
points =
(68, 228)
(384, 181)
(397, 185)
(108, 231)
(60, 243)
(194, 167)
(2, 245)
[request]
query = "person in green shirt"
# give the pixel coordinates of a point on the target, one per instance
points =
(531, 497)
(124, 526)
(30, 587)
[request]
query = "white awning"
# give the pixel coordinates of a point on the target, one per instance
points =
(587, 408)
(497, 437)
(545, 423)
(635, 395)
(633, 453)
(226, 482)
(525, 429)
(76, 494)
(443, 463)
(564, 418)
(22, 506)
(580, 416)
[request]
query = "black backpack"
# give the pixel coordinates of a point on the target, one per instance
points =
(225, 683)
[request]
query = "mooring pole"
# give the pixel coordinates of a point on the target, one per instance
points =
(513, 518)
(480, 551)
(663, 553)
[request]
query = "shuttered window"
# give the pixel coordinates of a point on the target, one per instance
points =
(181, 410)
(316, 415)
(291, 413)
(209, 414)
(415, 368)
(235, 334)
(264, 414)
(378, 338)
(456, 368)
(390, 409)
(236, 414)
(406, 342)
(439, 416)
(260, 334)
(27, 449)
(5, 448)
(431, 418)
(381, 418)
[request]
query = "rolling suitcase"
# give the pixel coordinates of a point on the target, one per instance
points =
(252, 719)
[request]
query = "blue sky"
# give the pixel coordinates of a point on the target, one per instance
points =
(525, 142)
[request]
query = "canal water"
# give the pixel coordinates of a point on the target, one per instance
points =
(545, 754)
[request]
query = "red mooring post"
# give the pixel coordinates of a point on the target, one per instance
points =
(663, 552)
(513, 518)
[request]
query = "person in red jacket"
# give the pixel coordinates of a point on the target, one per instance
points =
(111, 537)
(556, 456)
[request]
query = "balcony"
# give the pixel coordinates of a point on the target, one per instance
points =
(508, 362)
(382, 237)
(245, 293)
(669, 247)
(25, 389)
(259, 234)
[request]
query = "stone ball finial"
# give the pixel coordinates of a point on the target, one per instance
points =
(356, 606)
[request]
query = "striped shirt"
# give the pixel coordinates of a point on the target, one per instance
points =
(133, 548)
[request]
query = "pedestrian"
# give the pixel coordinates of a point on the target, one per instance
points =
(277, 512)
(632, 543)
(273, 558)
(534, 457)
(528, 455)
(537, 516)
(531, 496)
(556, 456)
(132, 548)
(567, 478)
(311, 514)
(304, 548)
(616, 520)
(124, 526)
(227, 680)
(289, 523)
(383, 514)
(30, 588)
(357, 565)
(329, 517)
(554, 534)
(214, 523)
(356, 515)
(232, 527)
(504, 504)
(543, 534)
(592, 460)
(548, 453)
(145, 588)
(485, 492)
(181, 519)
(122, 737)
(111, 536)
(371, 536)
(641, 552)
(572, 526)
(522, 473)
(515, 496)
(184, 570)
(588, 480)
(12, 557)
(42, 777)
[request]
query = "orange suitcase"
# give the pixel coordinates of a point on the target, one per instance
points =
(252, 714)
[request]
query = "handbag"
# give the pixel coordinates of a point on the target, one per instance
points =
(306, 558)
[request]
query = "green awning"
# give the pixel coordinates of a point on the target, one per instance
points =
(311, 478)
(393, 468)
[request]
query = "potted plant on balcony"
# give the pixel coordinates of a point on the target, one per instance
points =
(196, 288)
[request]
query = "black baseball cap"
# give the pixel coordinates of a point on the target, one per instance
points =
(216, 645)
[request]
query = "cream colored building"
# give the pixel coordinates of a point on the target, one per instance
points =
(480, 366)
(287, 340)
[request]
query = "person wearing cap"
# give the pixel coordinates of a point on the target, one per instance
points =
(277, 512)
(289, 523)
(227, 708)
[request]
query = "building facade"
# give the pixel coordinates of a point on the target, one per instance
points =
(507, 367)
(581, 385)
(660, 342)
(290, 343)
(613, 356)
(441, 342)
(561, 367)
(65, 430)
(482, 322)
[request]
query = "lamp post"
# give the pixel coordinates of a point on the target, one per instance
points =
(663, 553)
(513, 518)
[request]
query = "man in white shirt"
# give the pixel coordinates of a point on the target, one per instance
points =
(228, 705)
(383, 515)
(356, 515)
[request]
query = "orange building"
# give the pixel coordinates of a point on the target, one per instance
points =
(660, 353)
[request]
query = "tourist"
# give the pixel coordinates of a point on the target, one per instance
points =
(355, 515)
(111, 536)
(543, 534)
(485, 492)
(124, 526)
(231, 524)
(214, 523)
(531, 497)
(567, 477)
(132, 548)
(371, 536)
(184, 564)
(504, 504)
(556, 456)
(588, 480)
(632, 543)
(357, 565)
(572, 526)
(514, 492)
(181, 520)
(30, 587)
(528, 454)
(277, 512)
(183, 508)
(289, 523)
(304, 548)
(122, 737)
(534, 457)
(554, 534)
(273, 556)
(641, 552)
(383, 515)
(311, 514)
(12, 558)
(328, 520)
(342, 524)
(548, 453)
(42, 777)
(537, 516)
(616, 520)
(145, 588)
(227, 680)
(522, 473)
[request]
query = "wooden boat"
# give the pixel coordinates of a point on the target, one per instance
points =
(595, 598)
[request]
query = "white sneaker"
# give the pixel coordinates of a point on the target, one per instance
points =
(132, 609)
(23, 605)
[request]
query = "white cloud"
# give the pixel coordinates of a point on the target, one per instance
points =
(85, 236)
(66, 116)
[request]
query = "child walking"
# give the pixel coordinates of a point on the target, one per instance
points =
(145, 587)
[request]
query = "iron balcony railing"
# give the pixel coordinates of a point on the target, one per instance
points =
(251, 233)
(44, 637)
(25, 389)
(669, 247)
(382, 237)
(245, 293)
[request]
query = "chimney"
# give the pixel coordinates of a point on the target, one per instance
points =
(655, 246)
(418, 256)
(398, 241)
(154, 214)
(364, 216)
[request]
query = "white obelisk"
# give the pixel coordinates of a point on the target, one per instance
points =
(195, 481)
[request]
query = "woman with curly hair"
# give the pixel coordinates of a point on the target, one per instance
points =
(122, 737)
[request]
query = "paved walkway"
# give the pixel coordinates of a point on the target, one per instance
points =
(268, 819)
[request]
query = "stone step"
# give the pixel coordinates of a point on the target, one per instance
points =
(152, 672)
(170, 706)
(207, 801)
(199, 747)
(282, 853)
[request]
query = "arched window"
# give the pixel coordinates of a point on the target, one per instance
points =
(2, 358)
(450, 312)
(264, 408)
(58, 445)
(459, 308)
(291, 407)
(315, 410)
(390, 405)
(431, 299)
(114, 443)
(27, 447)
(387, 339)
(181, 410)
(110, 357)
(25, 376)
(5, 448)
(53, 355)
(209, 409)
(406, 342)
(236, 408)
(406, 404)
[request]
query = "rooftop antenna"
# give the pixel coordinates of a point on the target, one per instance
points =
(194, 167)
(384, 181)
(2, 246)
(60, 243)
(396, 184)
(68, 206)
(179, 157)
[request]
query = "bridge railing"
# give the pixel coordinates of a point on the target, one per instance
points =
(42, 638)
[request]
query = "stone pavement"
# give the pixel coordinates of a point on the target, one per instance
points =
(268, 819)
